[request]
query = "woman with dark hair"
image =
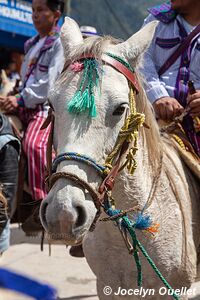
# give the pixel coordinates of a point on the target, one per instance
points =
(42, 64)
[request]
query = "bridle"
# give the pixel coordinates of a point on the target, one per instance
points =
(126, 144)
(113, 165)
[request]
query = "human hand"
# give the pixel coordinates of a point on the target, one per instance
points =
(194, 104)
(8, 104)
(166, 108)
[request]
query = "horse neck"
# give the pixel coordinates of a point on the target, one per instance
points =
(135, 189)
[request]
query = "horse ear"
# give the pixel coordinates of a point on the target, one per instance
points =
(70, 35)
(132, 48)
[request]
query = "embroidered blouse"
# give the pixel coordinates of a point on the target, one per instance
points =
(40, 72)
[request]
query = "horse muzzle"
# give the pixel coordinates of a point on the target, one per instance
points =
(65, 224)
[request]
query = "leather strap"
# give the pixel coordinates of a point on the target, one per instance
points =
(78, 181)
(109, 181)
(117, 65)
(122, 69)
(175, 55)
(49, 120)
(16, 131)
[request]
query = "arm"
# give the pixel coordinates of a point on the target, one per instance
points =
(154, 88)
(37, 92)
(165, 106)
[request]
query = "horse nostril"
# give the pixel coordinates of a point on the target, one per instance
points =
(81, 216)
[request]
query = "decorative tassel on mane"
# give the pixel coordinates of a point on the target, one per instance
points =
(83, 100)
(144, 222)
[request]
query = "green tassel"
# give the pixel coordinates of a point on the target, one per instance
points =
(73, 103)
(93, 110)
(84, 98)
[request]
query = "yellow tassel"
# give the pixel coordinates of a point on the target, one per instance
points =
(128, 133)
(196, 121)
(179, 141)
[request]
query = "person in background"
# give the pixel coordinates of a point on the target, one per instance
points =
(8, 64)
(18, 58)
(9, 77)
(9, 155)
(43, 62)
(168, 89)
(11, 72)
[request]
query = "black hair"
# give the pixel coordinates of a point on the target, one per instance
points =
(56, 5)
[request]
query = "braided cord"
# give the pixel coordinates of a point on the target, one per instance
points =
(129, 133)
(124, 223)
(136, 243)
(77, 157)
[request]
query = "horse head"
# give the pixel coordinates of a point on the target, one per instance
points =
(91, 101)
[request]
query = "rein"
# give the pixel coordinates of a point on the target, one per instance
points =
(78, 181)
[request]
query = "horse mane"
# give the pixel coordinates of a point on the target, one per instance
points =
(151, 137)
(93, 45)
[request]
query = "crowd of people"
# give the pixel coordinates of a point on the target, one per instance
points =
(166, 88)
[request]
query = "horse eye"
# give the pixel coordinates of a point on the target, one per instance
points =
(119, 110)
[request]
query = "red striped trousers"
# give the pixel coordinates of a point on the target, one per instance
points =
(34, 146)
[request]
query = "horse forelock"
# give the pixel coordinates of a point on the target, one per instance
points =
(94, 46)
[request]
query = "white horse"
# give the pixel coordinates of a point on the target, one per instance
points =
(160, 180)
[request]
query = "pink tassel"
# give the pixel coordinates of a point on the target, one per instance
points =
(77, 66)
